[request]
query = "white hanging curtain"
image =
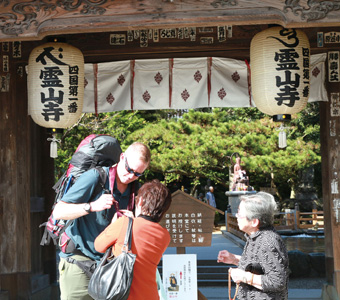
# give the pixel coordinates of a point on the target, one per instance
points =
(108, 87)
(151, 88)
(190, 83)
(317, 78)
(89, 92)
(179, 83)
(230, 83)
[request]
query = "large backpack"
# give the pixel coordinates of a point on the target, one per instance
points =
(95, 151)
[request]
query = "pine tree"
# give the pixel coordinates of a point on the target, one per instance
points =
(190, 147)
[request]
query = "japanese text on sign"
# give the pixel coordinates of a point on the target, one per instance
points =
(335, 105)
(332, 37)
(53, 79)
(333, 66)
(183, 226)
(117, 39)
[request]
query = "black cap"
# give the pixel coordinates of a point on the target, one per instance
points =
(282, 118)
(55, 130)
(56, 39)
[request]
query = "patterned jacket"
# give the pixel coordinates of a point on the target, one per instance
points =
(266, 248)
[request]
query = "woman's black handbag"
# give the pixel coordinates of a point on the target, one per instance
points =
(254, 268)
(112, 278)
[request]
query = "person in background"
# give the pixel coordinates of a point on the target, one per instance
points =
(92, 215)
(201, 198)
(262, 269)
(210, 197)
(149, 238)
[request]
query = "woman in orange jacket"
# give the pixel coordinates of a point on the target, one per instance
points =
(149, 239)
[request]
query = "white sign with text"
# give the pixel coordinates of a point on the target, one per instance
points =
(180, 276)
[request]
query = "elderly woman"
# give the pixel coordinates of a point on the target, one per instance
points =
(262, 269)
(149, 238)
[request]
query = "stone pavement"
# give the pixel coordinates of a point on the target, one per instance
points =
(222, 240)
(219, 293)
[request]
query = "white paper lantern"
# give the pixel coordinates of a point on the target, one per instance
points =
(279, 60)
(55, 85)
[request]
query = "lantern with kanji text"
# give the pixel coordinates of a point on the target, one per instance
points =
(55, 86)
(279, 60)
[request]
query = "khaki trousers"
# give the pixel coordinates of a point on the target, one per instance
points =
(73, 282)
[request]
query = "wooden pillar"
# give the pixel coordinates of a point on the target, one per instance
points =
(15, 233)
(26, 178)
(330, 152)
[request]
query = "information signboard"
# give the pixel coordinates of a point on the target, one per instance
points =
(180, 276)
(189, 221)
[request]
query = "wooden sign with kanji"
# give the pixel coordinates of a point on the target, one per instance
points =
(189, 221)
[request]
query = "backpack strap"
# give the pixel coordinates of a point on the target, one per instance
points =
(59, 182)
(87, 266)
(131, 203)
(112, 178)
(46, 238)
(101, 183)
(112, 174)
(62, 186)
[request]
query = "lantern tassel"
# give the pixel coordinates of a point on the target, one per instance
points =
(54, 146)
(282, 137)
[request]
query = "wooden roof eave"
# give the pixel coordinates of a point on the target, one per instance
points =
(22, 20)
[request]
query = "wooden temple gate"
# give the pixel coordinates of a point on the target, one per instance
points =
(100, 29)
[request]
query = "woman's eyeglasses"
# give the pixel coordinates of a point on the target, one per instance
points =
(130, 170)
(238, 215)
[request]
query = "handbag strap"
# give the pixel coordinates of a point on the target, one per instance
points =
(128, 237)
(229, 286)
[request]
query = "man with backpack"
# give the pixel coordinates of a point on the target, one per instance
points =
(91, 214)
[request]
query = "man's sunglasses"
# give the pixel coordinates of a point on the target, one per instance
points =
(130, 170)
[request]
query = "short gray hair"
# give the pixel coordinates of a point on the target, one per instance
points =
(261, 206)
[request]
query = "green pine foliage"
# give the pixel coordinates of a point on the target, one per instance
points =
(190, 147)
(200, 144)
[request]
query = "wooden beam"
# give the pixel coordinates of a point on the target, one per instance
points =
(29, 20)
(97, 48)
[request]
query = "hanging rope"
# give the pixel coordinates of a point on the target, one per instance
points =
(54, 146)
(282, 136)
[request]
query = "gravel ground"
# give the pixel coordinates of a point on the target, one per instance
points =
(306, 283)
